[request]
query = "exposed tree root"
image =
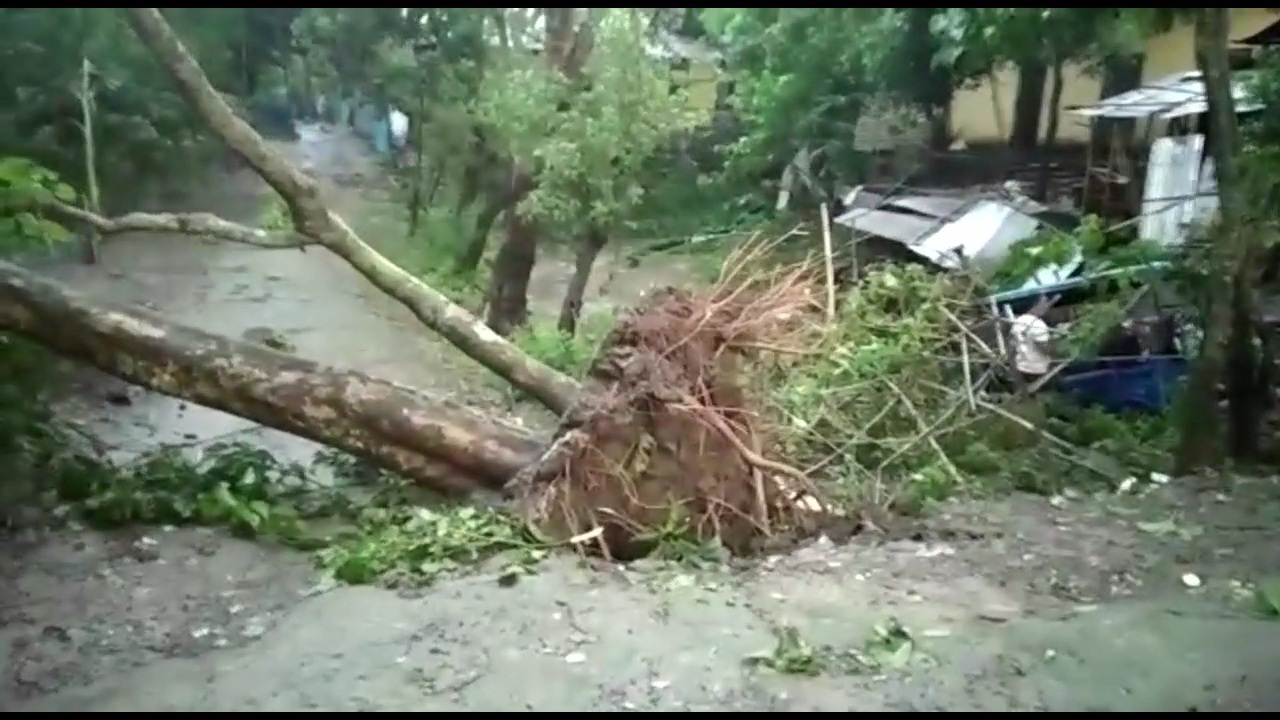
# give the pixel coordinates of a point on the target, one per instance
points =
(667, 438)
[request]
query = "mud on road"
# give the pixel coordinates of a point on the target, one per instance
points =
(1028, 604)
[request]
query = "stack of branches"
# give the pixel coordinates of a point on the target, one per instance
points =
(669, 436)
(891, 408)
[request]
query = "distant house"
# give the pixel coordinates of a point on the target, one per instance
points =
(978, 114)
(697, 66)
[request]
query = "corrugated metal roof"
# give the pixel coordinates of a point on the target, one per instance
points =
(953, 231)
(1266, 37)
(1177, 95)
(938, 206)
(900, 227)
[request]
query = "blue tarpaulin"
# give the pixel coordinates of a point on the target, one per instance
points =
(1125, 384)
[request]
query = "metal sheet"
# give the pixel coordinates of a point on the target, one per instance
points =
(896, 226)
(1178, 95)
(938, 206)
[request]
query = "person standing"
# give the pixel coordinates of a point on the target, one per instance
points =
(1032, 341)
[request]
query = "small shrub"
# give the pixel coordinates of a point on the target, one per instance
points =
(570, 354)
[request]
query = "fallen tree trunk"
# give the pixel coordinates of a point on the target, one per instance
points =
(436, 442)
(312, 218)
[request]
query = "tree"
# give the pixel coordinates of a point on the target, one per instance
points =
(433, 441)
(315, 221)
(1229, 324)
(397, 427)
(589, 134)
(1040, 42)
(571, 487)
(802, 79)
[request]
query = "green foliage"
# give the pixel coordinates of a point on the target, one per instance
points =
(891, 647)
(975, 40)
(415, 546)
(24, 411)
(144, 131)
(1260, 160)
(275, 214)
(24, 184)
(802, 76)
(373, 532)
(231, 485)
(880, 408)
(587, 139)
(1102, 250)
(570, 354)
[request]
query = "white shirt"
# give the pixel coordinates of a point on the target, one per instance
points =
(1030, 334)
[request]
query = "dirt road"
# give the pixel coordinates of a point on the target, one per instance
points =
(1025, 605)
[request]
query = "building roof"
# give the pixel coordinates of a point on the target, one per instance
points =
(1177, 95)
(1266, 37)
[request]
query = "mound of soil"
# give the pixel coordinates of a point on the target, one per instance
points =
(666, 441)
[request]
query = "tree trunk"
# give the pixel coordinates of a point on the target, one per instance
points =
(473, 253)
(470, 188)
(1121, 73)
(1027, 105)
(1200, 441)
(437, 179)
(93, 197)
(313, 219)
(508, 294)
(567, 49)
(593, 241)
(473, 174)
(515, 190)
(1246, 395)
(931, 82)
(436, 442)
(419, 156)
(1045, 170)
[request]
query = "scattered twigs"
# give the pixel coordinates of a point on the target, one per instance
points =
(926, 432)
(861, 435)
(933, 427)
(968, 332)
(1070, 452)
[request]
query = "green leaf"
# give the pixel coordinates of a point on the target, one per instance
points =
(51, 231)
(65, 193)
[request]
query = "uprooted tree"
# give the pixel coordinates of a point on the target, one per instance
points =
(660, 425)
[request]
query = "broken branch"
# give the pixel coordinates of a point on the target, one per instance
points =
(314, 219)
(199, 223)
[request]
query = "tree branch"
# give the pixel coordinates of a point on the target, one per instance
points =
(200, 223)
(313, 219)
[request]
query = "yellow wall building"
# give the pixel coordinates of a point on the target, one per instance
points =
(696, 66)
(985, 113)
